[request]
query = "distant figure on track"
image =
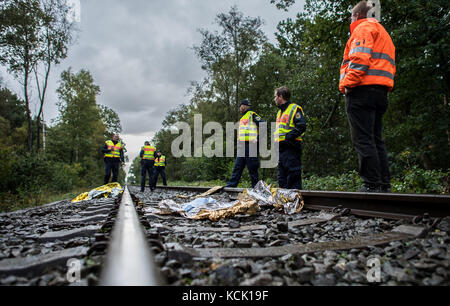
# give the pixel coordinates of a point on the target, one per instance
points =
(291, 125)
(160, 168)
(113, 157)
(247, 145)
(367, 74)
(147, 155)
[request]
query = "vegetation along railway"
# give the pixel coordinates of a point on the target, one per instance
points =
(335, 238)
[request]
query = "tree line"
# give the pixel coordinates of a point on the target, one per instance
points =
(39, 159)
(240, 62)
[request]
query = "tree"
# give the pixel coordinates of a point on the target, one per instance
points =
(134, 174)
(111, 121)
(19, 44)
(227, 56)
(79, 118)
(33, 33)
(416, 120)
(56, 35)
(282, 4)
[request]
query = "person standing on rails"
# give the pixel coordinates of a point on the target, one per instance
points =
(247, 145)
(160, 168)
(113, 157)
(291, 126)
(366, 77)
(147, 155)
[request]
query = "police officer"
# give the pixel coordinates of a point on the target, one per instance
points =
(291, 125)
(160, 168)
(147, 155)
(247, 145)
(113, 157)
(367, 75)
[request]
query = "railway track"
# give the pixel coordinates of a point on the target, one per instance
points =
(337, 239)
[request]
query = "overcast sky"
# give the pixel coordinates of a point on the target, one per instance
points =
(139, 53)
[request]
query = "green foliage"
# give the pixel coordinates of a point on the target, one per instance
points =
(134, 175)
(417, 180)
(414, 180)
(34, 35)
(72, 158)
(227, 57)
(307, 58)
(282, 4)
(111, 121)
(350, 182)
(66, 177)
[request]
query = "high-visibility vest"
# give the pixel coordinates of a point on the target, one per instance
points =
(248, 130)
(115, 149)
(369, 56)
(149, 152)
(160, 161)
(285, 122)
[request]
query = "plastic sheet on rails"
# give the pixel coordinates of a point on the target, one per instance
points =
(207, 208)
(111, 190)
(247, 203)
(288, 200)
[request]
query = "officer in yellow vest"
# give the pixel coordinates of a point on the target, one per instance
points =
(291, 125)
(248, 136)
(147, 155)
(113, 157)
(160, 168)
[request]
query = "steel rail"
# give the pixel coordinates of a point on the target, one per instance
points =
(384, 205)
(129, 260)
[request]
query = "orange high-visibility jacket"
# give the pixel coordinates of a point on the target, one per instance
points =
(369, 57)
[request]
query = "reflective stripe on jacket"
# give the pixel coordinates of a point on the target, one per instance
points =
(248, 130)
(115, 149)
(160, 161)
(149, 152)
(369, 56)
(285, 122)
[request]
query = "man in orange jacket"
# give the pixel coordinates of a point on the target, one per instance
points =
(366, 77)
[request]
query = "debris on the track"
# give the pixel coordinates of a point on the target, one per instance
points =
(209, 192)
(288, 200)
(208, 208)
(247, 203)
(111, 190)
(203, 195)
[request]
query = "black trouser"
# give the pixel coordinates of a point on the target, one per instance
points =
(239, 166)
(156, 173)
(365, 107)
(290, 166)
(111, 164)
(146, 166)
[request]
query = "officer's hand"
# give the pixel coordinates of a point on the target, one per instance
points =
(289, 137)
(123, 164)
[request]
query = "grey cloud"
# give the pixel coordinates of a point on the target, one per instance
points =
(139, 52)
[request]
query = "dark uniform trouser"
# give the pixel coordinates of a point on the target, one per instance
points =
(146, 166)
(290, 168)
(252, 165)
(111, 164)
(365, 107)
(249, 153)
(156, 173)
